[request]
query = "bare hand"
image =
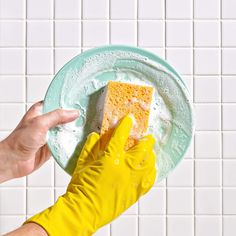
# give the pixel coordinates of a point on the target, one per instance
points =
(25, 149)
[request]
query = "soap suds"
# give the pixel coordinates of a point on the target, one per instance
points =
(170, 95)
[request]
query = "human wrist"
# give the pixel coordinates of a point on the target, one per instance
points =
(6, 167)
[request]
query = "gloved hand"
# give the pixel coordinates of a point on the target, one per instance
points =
(104, 184)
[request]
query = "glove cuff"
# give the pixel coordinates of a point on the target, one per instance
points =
(60, 219)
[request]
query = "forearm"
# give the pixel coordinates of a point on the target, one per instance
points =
(30, 229)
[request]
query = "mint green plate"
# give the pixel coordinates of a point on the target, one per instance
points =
(80, 85)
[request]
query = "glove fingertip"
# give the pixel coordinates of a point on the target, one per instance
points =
(149, 141)
(93, 135)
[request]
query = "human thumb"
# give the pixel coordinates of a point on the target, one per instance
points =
(56, 117)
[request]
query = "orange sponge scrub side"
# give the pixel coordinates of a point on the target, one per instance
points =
(122, 99)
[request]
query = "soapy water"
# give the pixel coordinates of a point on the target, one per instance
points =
(84, 89)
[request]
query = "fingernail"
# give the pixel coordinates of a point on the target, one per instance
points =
(74, 112)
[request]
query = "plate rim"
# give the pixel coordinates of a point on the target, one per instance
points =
(136, 50)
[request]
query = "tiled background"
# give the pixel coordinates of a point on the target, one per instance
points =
(198, 37)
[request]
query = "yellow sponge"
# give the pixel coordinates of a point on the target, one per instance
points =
(122, 99)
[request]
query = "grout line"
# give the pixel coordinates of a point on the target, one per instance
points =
(30, 102)
(85, 48)
(137, 43)
(165, 56)
(54, 66)
(137, 24)
(25, 101)
(120, 19)
(151, 215)
(109, 31)
(221, 122)
(154, 187)
(159, 47)
(199, 76)
(81, 26)
(193, 100)
(109, 23)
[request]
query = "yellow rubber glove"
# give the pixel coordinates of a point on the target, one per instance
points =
(104, 184)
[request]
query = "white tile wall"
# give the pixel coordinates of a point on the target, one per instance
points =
(198, 37)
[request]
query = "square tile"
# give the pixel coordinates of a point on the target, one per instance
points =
(39, 34)
(207, 116)
(18, 182)
(124, 226)
(43, 177)
(11, 115)
(182, 176)
(12, 9)
(153, 202)
(207, 89)
(14, 84)
(12, 33)
(12, 61)
(179, 33)
(181, 59)
(63, 55)
(42, 9)
(213, 147)
(12, 201)
(158, 51)
(133, 210)
(208, 201)
(160, 184)
(228, 65)
(207, 173)
(124, 32)
(206, 33)
(37, 87)
(9, 223)
(59, 192)
(229, 33)
(208, 225)
(62, 179)
(152, 226)
(95, 9)
(229, 116)
(67, 33)
(98, 28)
(150, 9)
(67, 9)
(189, 153)
(229, 147)
(207, 61)
(39, 61)
(104, 231)
(150, 33)
(36, 204)
(229, 173)
(229, 223)
(188, 80)
(228, 9)
(228, 91)
(180, 226)
(201, 9)
(181, 9)
(229, 203)
(4, 134)
(122, 9)
(180, 201)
